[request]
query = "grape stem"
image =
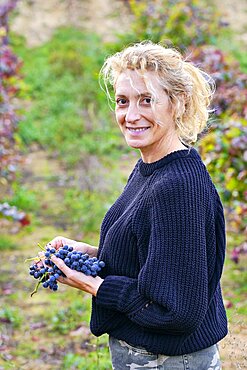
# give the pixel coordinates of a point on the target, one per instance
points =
(38, 283)
(40, 246)
(37, 259)
(36, 288)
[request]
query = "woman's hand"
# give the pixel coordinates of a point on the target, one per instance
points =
(60, 241)
(77, 279)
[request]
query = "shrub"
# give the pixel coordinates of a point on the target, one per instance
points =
(10, 89)
(181, 23)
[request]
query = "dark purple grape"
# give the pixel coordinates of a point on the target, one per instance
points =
(76, 260)
(36, 274)
(74, 265)
(67, 261)
(94, 267)
(83, 268)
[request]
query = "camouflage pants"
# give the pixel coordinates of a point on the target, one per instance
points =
(127, 357)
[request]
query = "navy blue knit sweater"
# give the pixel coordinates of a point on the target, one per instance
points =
(163, 242)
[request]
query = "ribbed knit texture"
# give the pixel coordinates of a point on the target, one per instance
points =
(163, 242)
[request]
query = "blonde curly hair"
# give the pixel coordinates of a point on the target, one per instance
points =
(189, 89)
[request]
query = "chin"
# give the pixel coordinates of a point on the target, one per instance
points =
(135, 145)
(135, 142)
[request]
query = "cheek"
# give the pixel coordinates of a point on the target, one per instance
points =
(120, 118)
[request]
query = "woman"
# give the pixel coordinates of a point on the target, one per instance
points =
(163, 240)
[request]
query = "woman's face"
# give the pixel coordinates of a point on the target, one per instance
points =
(144, 114)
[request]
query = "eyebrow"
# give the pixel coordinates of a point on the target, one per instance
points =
(145, 93)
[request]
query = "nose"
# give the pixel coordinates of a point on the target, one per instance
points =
(133, 113)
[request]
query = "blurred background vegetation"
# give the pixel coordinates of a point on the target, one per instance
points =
(63, 162)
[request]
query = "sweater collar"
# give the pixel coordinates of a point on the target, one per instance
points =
(146, 169)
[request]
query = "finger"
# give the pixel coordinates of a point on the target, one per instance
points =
(61, 265)
(39, 262)
(41, 255)
(56, 242)
(62, 279)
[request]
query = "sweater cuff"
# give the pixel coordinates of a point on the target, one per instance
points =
(117, 293)
(110, 291)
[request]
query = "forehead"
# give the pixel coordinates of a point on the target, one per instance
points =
(133, 81)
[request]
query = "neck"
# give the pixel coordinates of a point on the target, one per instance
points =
(150, 155)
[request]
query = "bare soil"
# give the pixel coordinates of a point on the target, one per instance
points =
(37, 20)
(235, 13)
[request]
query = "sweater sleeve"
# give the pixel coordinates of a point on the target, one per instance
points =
(170, 294)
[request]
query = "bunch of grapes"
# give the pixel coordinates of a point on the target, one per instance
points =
(48, 273)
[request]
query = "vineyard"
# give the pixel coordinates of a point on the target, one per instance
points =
(63, 162)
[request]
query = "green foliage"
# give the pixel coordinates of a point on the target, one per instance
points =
(23, 198)
(225, 155)
(10, 86)
(68, 111)
(235, 48)
(224, 152)
(12, 316)
(224, 147)
(66, 319)
(231, 83)
(90, 361)
(97, 356)
(88, 206)
(6, 243)
(11, 89)
(181, 23)
(234, 282)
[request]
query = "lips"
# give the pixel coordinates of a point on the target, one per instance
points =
(136, 130)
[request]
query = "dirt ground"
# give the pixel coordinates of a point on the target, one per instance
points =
(37, 20)
(235, 13)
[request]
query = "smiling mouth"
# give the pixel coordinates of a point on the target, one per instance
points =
(138, 129)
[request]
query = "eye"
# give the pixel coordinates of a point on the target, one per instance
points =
(147, 100)
(121, 102)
